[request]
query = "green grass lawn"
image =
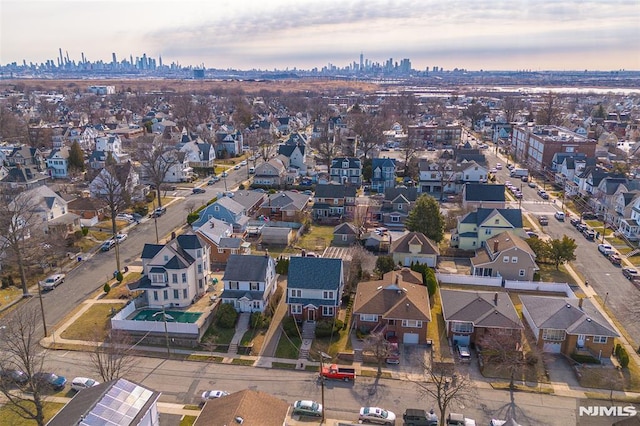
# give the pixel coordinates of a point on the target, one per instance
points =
(9, 417)
(549, 273)
(288, 347)
(318, 236)
(9, 294)
(188, 420)
(222, 336)
(93, 324)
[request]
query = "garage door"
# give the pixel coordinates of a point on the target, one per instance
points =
(553, 347)
(463, 339)
(410, 338)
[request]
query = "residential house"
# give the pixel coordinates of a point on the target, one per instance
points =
(229, 142)
(568, 325)
(26, 156)
(627, 215)
(466, 154)
(414, 247)
(218, 235)
(397, 305)
(476, 227)
(53, 211)
(226, 210)
(396, 206)
(90, 210)
(505, 255)
(272, 173)
(446, 176)
(346, 171)
(249, 200)
(282, 124)
(432, 134)
(286, 206)
(376, 241)
(534, 145)
(295, 150)
(199, 154)
(345, 234)
(180, 170)
(250, 407)
(125, 180)
(26, 177)
(117, 402)
(383, 174)
(490, 196)
(314, 287)
(175, 274)
(58, 163)
(470, 315)
(249, 282)
(333, 202)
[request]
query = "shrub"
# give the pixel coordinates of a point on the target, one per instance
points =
(119, 277)
(259, 320)
(226, 316)
(531, 359)
(192, 217)
(85, 231)
(106, 288)
(326, 328)
(290, 327)
(624, 360)
(282, 266)
(585, 359)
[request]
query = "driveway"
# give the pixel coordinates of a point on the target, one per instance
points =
(560, 370)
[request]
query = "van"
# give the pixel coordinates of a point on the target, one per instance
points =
(559, 216)
(252, 170)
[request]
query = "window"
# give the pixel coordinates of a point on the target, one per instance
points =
(200, 283)
(166, 258)
(412, 323)
(155, 295)
(505, 259)
(174, 278)
(369, 317)
(184, 293)
(165, 294)
(600, 339)
(399, 206)
(344, 237)
(327, 311)
(184, 277)
(487, 231)
(496, 222)
(553, 335)
(296, 309)
(257, 304)
(521, 272)
(220, 250)
(327, 294)
(176, 294)
(233, 285)
(395, 219)
(200, 268)
(296, 293)
(254, 286)
(199, 253)
(461, 327)
(158, 278)
(514, 259)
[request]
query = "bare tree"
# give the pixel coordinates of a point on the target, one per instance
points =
(549, 113)
(156, 157)
(22, 355)
(511, 105)
(368, 129)
(503, 350)
(444, 385)
(326, 147)
(113, 358)
(379, 347)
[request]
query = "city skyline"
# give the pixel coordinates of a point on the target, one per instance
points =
(286, 34)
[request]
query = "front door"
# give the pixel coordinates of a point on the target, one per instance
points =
(311, 314)
(581, 339)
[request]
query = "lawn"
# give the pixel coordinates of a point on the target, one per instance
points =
(221, 335)
(121, 290)
(549, 273)
(187, 420)
(436, 332)
(288, 347)
(9, 417)
(9, 294)
(94, 324)
(317, 238)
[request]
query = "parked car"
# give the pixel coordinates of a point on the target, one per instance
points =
(121, 237)
(224, 174)
(575, 221)
(159, 211)
(615, 259)
(80, 383)
(559, 216)
(107, 245)
(630, 273)
(456, 419)
(581, 227)
(589, 234)
(213, 394)
(243, 163)
(418, 417)
(532, 234)
(236, 167)
(543, 220)
(464, 354)
(213, 180)
(307, 408)
(605, 249)
(137, 217)
(531, 184)
(14, 376)
(198, 190)
(124, 216)
(52, 281)
(498, 166)
(377, 415)
(52, 380)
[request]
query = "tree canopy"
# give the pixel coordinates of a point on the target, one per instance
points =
(426, 218)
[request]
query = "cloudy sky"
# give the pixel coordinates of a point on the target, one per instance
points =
(268, 34)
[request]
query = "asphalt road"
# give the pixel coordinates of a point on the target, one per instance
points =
(622, 297)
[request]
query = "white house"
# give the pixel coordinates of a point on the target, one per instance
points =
(58, 163)
(249, 282)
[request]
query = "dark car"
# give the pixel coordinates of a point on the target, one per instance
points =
(14, 376)
(417, 417)
(574, 221)
(589, 234)
(581, 227)
(54, 381)
(198, 190)
(630, 273)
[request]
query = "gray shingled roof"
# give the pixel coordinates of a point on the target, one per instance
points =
(481, 308)
(314, 273)
(246, 268)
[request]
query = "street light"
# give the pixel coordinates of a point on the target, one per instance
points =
(166, 332)
(322, 357)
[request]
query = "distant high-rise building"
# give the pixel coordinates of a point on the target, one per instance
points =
(113, 58)
(361, 61)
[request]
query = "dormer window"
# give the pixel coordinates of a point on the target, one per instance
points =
(345, 164)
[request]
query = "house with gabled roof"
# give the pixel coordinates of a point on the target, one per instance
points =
(52, 211)
(249, 281)
(250, 407)
(26, 156)
(333, 202)
(396, 206)
(414, 247)
(175, 274)
(477, 226)
(469, 315)
(505, 255)
(222, 241)
(346, 170)
(314, 287)
(285, 206)
(485, 195)
(383, 174)
(568, 325)
(395, 306)
(58, 163)
(199, 153)
(272, 173)
(24, 177)
(345, 234)
(227, 210)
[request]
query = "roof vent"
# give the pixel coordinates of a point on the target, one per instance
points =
(239, 420)
(589, 319)
(379, 288)
(568, 305)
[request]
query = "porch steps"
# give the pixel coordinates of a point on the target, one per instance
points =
(632, 252)
(357, 355)
(308, 333)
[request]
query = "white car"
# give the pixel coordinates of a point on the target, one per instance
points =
(52, 281)
(124, 216)
(243, 163)
(80, 383)
(605, 249)
(377, 415)
(121, 237)
(213, 394)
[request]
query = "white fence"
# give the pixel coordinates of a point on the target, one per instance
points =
(541, 286)
(120, 322)
(469, 279)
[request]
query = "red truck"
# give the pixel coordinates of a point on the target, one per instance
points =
(338, 373)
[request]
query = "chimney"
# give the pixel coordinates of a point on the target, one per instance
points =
(580, 303)
(495, 299)
(495, 246)
(397, 279)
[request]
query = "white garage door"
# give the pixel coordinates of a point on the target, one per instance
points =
(462, 339)
(553, 347)
(410, 338)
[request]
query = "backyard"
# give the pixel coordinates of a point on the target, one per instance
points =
(94, 324)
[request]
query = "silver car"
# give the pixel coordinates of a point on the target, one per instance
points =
(377, 415)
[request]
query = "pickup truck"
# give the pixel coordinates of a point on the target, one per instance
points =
(338, 373)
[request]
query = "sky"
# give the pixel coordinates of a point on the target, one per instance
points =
(306, 34)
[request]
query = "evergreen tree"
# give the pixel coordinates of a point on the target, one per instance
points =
(426, 218)
(76, 158)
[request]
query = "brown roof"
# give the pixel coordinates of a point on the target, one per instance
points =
(506, 240)
(254, 407)
(398, 295)
(401, 245)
